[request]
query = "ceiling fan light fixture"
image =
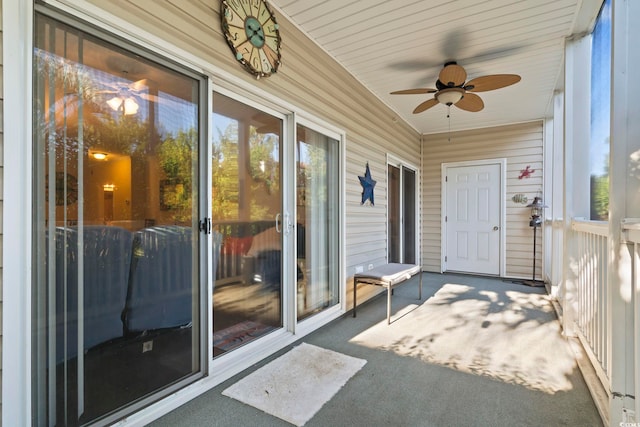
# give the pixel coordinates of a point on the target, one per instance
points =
(127, 105)
(130, 106)
(450, 96)
(115, 103)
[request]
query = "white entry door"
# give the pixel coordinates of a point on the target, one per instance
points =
(473, 218)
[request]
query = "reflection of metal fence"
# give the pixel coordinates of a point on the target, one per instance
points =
(237, 238)
(591, 294)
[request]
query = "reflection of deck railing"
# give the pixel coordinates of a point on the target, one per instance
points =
(237, 238)
(591, 294)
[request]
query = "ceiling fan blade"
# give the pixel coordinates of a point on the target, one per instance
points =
(152, 98)
(425, 105)
(470, 102)
(414, 91)
(492, 82)
(415, 65)
(452, 75)
(139, 85)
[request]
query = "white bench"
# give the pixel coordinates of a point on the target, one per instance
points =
(388, 276)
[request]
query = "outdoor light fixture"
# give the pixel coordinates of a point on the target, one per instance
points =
(536, 211)
(99, 156)
(537, 207)
(450, 96)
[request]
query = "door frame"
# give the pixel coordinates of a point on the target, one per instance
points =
(502, 163)
(401, 163)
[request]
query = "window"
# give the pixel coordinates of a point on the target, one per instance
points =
(600, 114)
(116, 291)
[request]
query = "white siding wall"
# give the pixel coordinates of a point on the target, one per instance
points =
(521, 145)
(311, 80)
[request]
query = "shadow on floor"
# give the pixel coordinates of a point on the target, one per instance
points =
(475, 351)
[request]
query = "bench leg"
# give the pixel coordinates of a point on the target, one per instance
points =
(355, 285)
(389, 305)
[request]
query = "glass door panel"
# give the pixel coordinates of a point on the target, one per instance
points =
(393, 179)
(401, 182)
(409, 215)
(117, 291)
(317, 227)
(247, 223)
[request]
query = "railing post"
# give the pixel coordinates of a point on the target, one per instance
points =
(620, 345)
(576, 167)
(624, 188)
(631, 229)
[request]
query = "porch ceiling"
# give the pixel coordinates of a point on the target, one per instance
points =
(394, 45)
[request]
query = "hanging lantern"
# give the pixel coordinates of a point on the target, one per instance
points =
(537, 207)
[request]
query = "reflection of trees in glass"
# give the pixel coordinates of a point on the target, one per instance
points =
(312, 167)
(71, 112)
(77, 90)
(57, 120)
(176, 155)
(176, 159)
(262, 170)
(225, 175)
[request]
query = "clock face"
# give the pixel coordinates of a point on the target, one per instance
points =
(252, 34)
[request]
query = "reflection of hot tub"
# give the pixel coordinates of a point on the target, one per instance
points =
(132, 283)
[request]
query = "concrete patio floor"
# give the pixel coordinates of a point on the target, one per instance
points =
(475, 351)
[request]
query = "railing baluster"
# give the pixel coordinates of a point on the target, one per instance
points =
(591, 321)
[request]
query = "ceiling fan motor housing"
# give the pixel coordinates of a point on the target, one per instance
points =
(450, 96)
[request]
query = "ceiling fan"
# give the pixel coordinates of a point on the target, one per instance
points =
(451, 88)
(125, 94)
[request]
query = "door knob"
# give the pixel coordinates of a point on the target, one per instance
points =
(495, 228)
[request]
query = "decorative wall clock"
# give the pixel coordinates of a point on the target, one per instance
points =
(252, 34)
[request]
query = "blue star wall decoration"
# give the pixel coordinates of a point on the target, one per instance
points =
(367, 186)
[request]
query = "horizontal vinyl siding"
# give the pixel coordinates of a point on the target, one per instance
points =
(312, 81)
(522, 146)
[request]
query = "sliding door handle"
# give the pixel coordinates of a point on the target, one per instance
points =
(278, 229)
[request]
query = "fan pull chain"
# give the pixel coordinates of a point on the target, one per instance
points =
(449, 119)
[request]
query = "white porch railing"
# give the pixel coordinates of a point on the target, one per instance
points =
(591, 294)
(631, 236)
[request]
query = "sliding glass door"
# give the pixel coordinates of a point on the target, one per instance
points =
(266, 231)
(402, 227)
(117, 289)
(138, 207)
